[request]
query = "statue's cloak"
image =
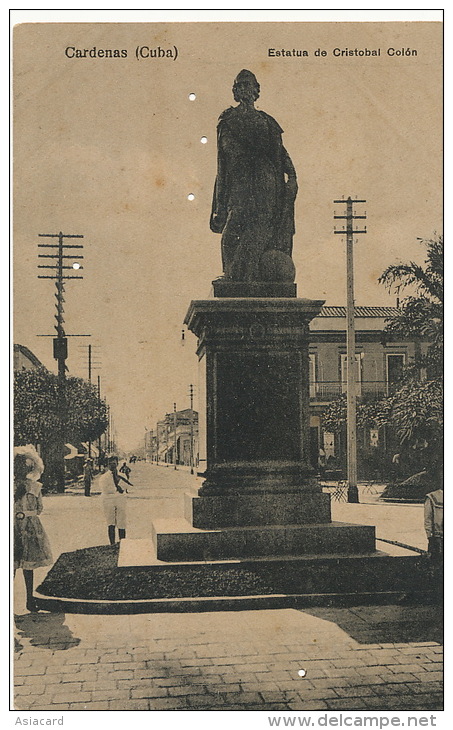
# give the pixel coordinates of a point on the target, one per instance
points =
(251, 207)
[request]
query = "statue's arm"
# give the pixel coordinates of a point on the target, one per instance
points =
(290, 172)
(219, 212)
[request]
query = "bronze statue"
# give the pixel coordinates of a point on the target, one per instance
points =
(255, 189)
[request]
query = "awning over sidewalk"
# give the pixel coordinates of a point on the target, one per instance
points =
(73, 452)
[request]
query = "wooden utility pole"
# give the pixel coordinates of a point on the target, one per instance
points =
(100, 435)
(89, 380)
(157, 444)
(353, 494)
(60, 342)
(175, 438)
(107, 441)
(90, 363)
(167, 432)
(191, 429)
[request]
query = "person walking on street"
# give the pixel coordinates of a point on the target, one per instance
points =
(125, 469)
(434, 527)
(88, 476)
(114, 499)
(31, 544)
(434, 523)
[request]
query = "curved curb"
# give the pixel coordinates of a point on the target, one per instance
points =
(56, 604)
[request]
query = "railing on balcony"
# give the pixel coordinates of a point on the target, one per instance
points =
(329, 390)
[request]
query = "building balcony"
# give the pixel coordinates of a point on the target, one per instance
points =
(327, 391)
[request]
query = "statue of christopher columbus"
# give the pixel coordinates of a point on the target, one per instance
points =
(255, 190)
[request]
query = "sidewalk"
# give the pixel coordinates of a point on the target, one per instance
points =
(358, 658)
(379, 658)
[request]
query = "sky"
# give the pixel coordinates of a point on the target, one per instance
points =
(110, 148)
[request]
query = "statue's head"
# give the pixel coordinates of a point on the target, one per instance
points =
(246, 87)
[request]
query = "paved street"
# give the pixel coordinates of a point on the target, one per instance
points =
(358, 658)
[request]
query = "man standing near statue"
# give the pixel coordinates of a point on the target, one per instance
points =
(255, 189)
(88, 474)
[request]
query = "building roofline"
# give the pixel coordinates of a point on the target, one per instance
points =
(359, 311)
(29, 354)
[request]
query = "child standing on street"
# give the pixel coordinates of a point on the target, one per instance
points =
(31, 544)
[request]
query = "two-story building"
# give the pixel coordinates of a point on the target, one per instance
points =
(380, 361)
(177, 430)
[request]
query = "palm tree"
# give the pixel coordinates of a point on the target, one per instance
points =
(416, 407)
(421, 313)
(414, 412)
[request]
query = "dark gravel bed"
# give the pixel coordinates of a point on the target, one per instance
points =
(92, 573)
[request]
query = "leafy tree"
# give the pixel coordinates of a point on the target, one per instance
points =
(36, 417)
(417, 413)
(86, 415)
(37, 409)
(374, 414)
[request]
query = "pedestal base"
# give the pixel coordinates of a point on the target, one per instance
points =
(176, 540)
(257, 510)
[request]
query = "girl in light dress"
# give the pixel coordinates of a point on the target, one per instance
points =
(31, 544)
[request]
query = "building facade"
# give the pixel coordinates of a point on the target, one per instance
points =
(175, 439)
(380, 361)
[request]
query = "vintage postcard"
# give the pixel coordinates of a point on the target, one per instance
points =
(227, 349)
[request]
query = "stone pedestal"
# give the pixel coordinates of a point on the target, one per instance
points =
(254, 356)
(176, 540)
(260, 498)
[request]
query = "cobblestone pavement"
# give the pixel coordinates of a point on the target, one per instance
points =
(358, 658)
(248, 660)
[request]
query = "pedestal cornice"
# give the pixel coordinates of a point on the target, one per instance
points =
(246, 310)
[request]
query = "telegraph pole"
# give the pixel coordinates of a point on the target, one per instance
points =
(157, 444)
(90, 363)
(191, 429)
(175, 439)
(89, 380)
(353, 494)
(112, 434)
(108, 442)
(167, 431)
(100, 435)
(60, 343)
